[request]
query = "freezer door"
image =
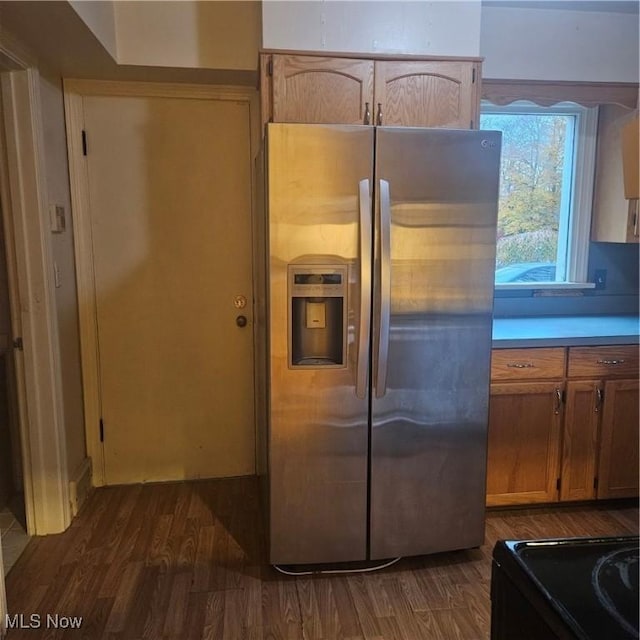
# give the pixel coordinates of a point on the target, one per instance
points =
(320, 183)
(436, 209)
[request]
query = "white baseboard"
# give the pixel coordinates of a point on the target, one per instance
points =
(80, 486)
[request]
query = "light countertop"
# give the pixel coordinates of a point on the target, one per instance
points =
(565, 331)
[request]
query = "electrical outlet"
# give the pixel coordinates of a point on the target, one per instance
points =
(600, 278)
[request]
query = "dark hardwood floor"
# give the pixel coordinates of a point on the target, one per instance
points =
(185, 561)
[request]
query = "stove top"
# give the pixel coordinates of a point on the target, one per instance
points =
(591, 583)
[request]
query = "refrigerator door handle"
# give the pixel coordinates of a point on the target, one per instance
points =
(365, 290)
(385, 288)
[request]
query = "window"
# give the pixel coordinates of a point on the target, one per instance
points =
(546, 185)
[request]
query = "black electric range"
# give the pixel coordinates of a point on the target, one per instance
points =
(576, 588)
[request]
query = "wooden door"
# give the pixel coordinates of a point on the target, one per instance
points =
(524, 442)
(427, 94)
(321, 90)
(580, 440)
(170, 206)
(618, 465)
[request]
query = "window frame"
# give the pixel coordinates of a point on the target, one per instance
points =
(578, 228)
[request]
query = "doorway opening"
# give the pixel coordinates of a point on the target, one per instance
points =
(13, 522)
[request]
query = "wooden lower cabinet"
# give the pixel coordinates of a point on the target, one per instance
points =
(572, 438)
(580, 439)
(524, 442)
(618, 466)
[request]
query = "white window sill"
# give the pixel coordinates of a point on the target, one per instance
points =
(536, 286)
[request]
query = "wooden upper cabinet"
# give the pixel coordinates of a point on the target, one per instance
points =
(427, 93)
(615, 218)
(395, 92)
(321, 90)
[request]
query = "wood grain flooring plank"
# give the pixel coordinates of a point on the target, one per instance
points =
(146, 513)
(179, 600)
(403, 614)
(96, 619)
(280, 608)
(626, 517)
(382, 607)
(143, 596)
(437, 590)
(427, 624)
(365, 609)
(159, 553)
(187, 561)
(415, 595)
(220, 565)
(252, 588)
(196, 612)
(477, 599)
(347, 614)
(235, 615)
(158, 607)
(327, 609)
(214, 616)
(309, 613)
(457, 624)
(391, 630)
(119, 527)
(183, 543)
(124, 597)
(203, 559)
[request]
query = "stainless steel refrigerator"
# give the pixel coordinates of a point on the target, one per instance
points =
(379, 274)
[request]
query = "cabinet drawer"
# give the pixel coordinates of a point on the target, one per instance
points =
(595, 362)
(527, 364)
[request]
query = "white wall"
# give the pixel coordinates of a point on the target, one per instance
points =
(554, 44)
(446, 28)
(57, 178)
(206, 35)
(99, 16)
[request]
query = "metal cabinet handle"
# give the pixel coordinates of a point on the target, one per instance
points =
(599, 398)
(379, 114)
(367, 113)
(520, 365)
(241, 321)
(558, 401)
(362, 371)
(633, 213)
(611, 363)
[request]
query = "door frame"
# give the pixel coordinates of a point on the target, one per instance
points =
(74, 92)
(3, 598)
(23, 190)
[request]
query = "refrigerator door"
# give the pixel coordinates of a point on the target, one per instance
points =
(433, 298)
(319, 226)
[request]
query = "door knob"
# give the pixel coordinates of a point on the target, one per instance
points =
(241, 321)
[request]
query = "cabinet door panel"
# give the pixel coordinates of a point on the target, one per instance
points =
(321, 90)
(426, 94)
(582, 415)
(524, 443)
(618, 468)
(613, 221)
